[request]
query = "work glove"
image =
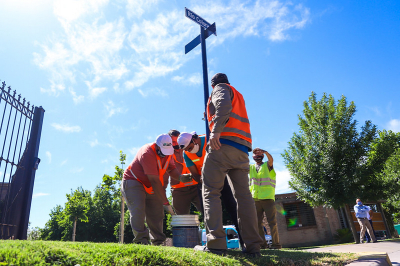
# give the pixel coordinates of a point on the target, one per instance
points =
(185, 178)
(168, 208)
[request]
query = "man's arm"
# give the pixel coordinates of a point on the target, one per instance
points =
(195, 173)
(158, 188)
(270, 160)
(222, 102)
(174, 174)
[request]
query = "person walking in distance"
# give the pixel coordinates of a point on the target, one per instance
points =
(262, 188)
(361, 212)
(227, 156)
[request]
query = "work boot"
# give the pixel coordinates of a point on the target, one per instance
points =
(220, 252)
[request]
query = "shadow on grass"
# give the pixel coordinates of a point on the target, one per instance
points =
(292, 257)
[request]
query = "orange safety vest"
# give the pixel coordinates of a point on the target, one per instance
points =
(185, 170)
(238, 124)
(198, 161)
(161, 170)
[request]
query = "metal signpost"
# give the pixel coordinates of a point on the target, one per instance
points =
(206, 29)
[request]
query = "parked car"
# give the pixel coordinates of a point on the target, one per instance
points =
(232, 237)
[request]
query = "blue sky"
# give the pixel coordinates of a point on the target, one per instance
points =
(112, 75)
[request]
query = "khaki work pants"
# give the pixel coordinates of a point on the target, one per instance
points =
(183, 197)
(144, 207)
(365, 225)
(233, 163)
(267, 206)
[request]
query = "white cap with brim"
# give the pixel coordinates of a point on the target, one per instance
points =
(164, 141)
(184, 140)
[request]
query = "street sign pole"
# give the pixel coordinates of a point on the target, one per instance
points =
(206, 29)
(205, 76)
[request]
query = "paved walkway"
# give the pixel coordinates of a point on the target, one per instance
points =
(373, 253)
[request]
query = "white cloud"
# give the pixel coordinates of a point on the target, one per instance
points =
(155, 91)
(77, 170)
(63, 162)
(194, 79)
(111, 109)
(48, 154)
(282, 181)
(40, 194)
(93, 46)
(394, 125)
(66, 128)
(77, 99)
(177, 78)
(136, 8)
(69, 10)
(104, 161)
(94, 143)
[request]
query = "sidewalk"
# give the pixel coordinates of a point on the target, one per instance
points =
(373, 253)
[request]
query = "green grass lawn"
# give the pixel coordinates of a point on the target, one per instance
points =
(17, 252)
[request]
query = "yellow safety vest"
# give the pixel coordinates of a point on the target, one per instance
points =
(263, 183)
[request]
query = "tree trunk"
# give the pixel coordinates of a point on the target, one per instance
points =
(74, 231)
(122, 228)
(351, 223)
(390, 231)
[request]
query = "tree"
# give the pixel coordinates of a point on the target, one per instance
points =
(326, 157)
(390, 176)
(77, 207)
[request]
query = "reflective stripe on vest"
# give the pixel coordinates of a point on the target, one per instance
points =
(262, 184)
(263, 181)
(238, 124)
(198, 161)
(185, 170)
(161, 170)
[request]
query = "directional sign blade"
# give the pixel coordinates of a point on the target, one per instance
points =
(196, 41)
(196, 18)
(190, 46)
(211, 30)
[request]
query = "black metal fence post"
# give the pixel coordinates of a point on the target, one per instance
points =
(20, 131)
(32, 165)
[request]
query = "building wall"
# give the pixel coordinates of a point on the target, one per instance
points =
(327, 222)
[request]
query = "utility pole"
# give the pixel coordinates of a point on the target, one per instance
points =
(122, 227)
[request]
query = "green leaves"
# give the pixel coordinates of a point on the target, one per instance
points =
(327, 154)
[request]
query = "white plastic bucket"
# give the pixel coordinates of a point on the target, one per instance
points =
(185, 230)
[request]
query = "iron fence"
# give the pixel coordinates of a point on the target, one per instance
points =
(20, 130)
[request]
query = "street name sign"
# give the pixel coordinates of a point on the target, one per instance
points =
(196, 18)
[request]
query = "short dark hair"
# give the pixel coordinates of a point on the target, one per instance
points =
(174, 132)
(219, 78)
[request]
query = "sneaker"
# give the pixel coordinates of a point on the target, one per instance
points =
(220, 252)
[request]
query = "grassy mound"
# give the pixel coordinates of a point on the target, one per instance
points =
(15, 252)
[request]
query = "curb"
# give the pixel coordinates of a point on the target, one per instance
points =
(382, 256)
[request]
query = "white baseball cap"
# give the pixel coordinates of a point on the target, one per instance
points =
(164, 141)
(184, 140)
